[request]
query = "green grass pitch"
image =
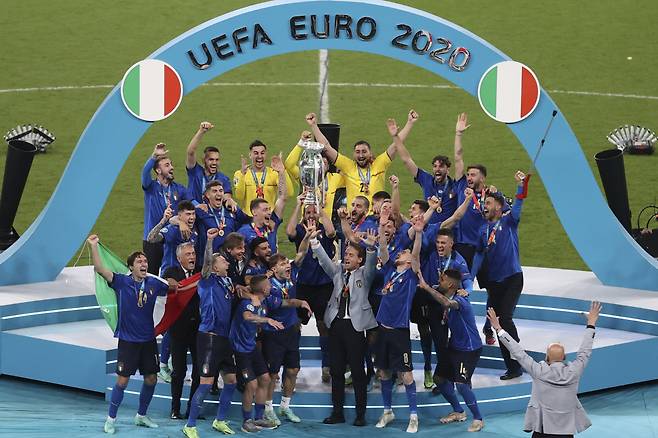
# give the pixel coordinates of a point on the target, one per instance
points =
(572, 46)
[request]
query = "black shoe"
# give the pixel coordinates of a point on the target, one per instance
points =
(176, 415)
(359, 421)
(334, 418)
(509, 375)
(436, 391)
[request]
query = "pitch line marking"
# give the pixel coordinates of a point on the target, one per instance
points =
(315, 85)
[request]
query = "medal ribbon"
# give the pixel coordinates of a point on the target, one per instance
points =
(476, 201)
(285, 287)
(491, 236)
(365, 180)
(221, 223)
(392, 281)
(260, 233)
(259, 187)
(140, 295)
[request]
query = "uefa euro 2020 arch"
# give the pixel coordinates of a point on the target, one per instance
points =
(279, 27)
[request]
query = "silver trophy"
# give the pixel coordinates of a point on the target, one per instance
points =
(311, 173)
(633, 139)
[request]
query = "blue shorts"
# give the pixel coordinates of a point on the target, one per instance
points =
(132, 356)
(393, 350)
(281, 348)
(214, 353)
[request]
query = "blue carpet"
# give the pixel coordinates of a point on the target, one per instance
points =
(33, 409)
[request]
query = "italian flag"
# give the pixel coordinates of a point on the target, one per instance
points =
(509, 92)
(151, 90)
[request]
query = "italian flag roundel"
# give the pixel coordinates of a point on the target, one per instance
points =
(151, 90)
(508, 92)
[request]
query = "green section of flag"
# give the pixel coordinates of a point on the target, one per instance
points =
(105, 295)
(131, 89)
(488, 91)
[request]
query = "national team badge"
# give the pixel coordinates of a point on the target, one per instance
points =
(508, 92)
(151, 90)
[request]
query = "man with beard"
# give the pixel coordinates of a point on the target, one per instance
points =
(498, 245)
(313, 284)
(217, 294)
(463, 349)
(260, 251)
(183, 331)
(159, 194)
(348, 315)
(198, 176)
(281, 347)
(393, 339)
(265, 222)
(223, 214)
(258, 181)
(364, 175)
(173, 235)
(439, 183)
(356, 223)
(137, 349)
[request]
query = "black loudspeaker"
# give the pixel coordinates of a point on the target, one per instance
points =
(17, 167)
(611, 168)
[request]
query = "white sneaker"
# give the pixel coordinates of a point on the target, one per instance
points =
(271, 415)
(413, 424)
(476, 426)
(143, 420)
(453, 417)
(386, 418)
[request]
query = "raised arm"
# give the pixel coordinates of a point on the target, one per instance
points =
(329, 150)
(282, 188)
(405, 156)
(292, 160)
(291, 226)
(158, 152)
(371, 256)
(154, 235)
(516, 351)
(345, 225)
(461, 126)
(194, 143)
(206, 270)
(383, 245)
(96, 259)
(304, 245)
(418, 244)
(329, 229)
(577, 366)
(395, 198)
(518, 202)
(325, 262)
(460, 212)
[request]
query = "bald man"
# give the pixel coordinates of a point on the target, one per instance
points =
(554, 409)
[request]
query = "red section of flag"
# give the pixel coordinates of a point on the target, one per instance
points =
(176, 302)
(529, 91)
(524, 193)
(172, 90)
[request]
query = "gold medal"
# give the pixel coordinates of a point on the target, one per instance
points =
(221, 232)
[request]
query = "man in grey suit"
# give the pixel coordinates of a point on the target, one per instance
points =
(348, 316)
(554, 409)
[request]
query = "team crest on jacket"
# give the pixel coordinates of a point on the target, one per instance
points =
(359, 283)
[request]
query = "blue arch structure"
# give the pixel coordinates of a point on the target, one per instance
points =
(47, 245)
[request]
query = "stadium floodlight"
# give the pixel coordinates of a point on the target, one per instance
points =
(633, 139)
(36, 135)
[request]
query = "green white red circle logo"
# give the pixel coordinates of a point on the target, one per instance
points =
(508, 92)
(151, 90)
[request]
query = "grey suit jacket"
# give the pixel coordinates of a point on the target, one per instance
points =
(359, 283)
(554, 407)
